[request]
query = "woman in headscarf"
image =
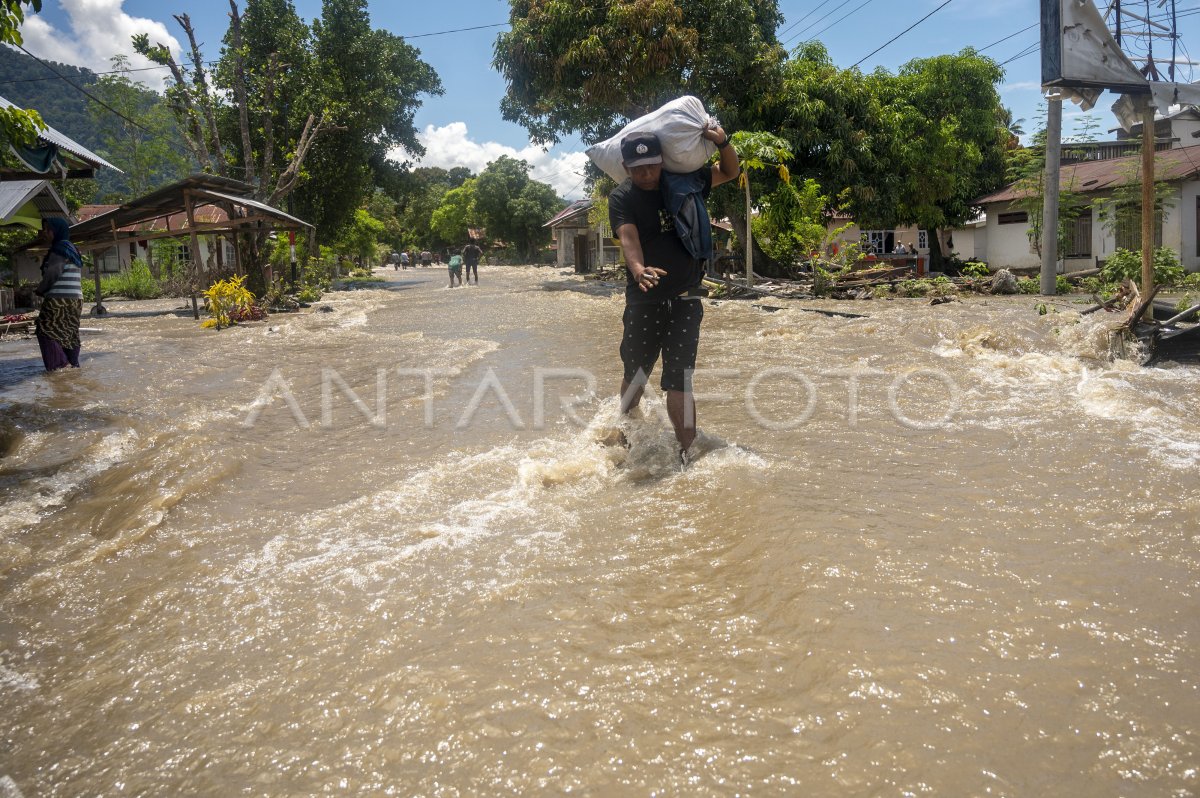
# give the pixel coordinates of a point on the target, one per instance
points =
(61, 291)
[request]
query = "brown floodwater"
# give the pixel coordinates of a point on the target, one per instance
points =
(397, 549)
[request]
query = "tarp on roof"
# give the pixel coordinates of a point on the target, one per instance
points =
(27, 202)
(66, 143)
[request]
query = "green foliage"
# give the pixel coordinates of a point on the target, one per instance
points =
(513, 207)
(581, 68)
(136, 283)
(1062, 285)
(792, 224)
(17, 126)
(455, 214)
(913, 288)
(1099, 287)
(1123, 264)
(974, 268)
(361, 236)
(144, 151)
(1026, 167)
(936, 287)
(1124, 205)
(308, 294)
(1029, 285)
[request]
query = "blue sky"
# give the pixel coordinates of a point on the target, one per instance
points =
(464, 126)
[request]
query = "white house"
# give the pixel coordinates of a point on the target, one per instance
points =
(580, 243)
(1007, 243)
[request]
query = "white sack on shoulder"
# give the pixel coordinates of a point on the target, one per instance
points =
(678, 125)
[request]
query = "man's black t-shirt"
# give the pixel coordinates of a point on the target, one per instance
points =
(661, 247)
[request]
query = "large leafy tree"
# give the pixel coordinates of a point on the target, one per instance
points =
(420, 192)
(513, 206)
(952, 138)
(585, 67)
(455, 214)
(144, 150)
(371, 80)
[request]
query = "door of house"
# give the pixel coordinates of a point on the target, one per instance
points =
(582, 266)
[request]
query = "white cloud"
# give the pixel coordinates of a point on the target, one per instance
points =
(99, 30)
(1025, 85)
(450, 145)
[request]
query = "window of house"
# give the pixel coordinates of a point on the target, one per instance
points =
(108, 261)
(1013, 217)
(922, 239)
(1129, 230)
(1079, 237)
(879, 241)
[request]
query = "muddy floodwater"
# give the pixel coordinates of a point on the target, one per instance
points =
(398, 548)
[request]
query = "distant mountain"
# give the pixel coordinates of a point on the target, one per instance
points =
(29, 84)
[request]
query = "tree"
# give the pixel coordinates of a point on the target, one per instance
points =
(143, 150)
(421, 193)
(361, 237)
(371, 81)
(17, 126)
(455, 214)
(514, 207)
(582, 67)
(952, 139)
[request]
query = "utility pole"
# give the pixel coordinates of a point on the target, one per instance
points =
(1147, 200)
(1050, 200)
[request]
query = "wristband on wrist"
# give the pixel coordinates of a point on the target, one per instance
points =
(724, 143)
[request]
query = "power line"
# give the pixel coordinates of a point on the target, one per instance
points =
(817, 21)
(456, 30)
(806, 16)
(906, 30)
(1009, 36)
(86, 93)
(841, 19)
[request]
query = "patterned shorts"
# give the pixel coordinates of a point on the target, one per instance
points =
(670, 328)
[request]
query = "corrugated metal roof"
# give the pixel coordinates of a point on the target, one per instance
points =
(1088, 177)
(63, 142)
(568, 212)
(170, 200)
(15, 193)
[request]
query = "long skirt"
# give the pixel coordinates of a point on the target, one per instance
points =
(58, 332)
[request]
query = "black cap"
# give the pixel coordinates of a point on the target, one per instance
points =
(639, 149)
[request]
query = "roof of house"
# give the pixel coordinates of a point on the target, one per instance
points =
(66, 144)
(202, 191)
(1086, 177)
(572, 215)
(206, 214)
(16, 195)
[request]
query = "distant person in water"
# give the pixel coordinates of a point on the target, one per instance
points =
(456, 264)
(61, 290)
(471, 255)
(426, 257)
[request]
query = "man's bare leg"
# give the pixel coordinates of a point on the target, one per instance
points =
(681, 409)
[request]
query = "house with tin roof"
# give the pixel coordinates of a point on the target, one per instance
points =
(1005, 235)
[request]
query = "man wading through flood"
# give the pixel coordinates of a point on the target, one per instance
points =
(663, 311)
